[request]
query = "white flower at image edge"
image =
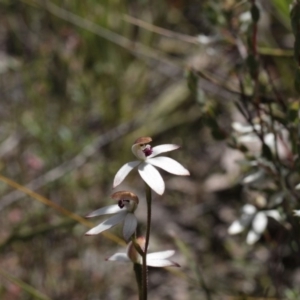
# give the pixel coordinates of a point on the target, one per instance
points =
(256, 221)
(147, 162)
(123, 212)
(155, 259)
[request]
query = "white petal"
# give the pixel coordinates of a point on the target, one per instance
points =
(239, 225)
(253, 177)
(152, 177)
(236, 227)
(273, 213)
(129, 227)
(260, 222)
(163, 148)
(241, 128)
(161, 254)
(252, 237)
(249, 209)
(296, 213)
(161, 263)
(168, 164)
(248, 138)
(111, 209)
(123, 172)
(269, 139)
(119, 257)
(297, 187)
(112, 221)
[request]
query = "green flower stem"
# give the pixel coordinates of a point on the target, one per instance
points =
(144, 257)
(149, 202)
(138, 270)
(145, 277)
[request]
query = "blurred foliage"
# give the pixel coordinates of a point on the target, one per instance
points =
(81, 80)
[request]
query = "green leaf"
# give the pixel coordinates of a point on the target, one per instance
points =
(218, 134)
(283, 12)
(34, 293)
(295, 17)
(255, 13)
(192, 81)
(297, 80)
(266, 152)
(293, 111)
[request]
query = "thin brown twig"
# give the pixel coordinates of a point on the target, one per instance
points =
(162, 31)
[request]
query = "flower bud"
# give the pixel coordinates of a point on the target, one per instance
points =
(132, 253)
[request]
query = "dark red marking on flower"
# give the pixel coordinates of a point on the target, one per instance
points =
(121, 203)
(148, 151)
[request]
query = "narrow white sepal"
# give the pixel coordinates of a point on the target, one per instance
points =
(296, 212)
(297, 187)
(107, 224)
(162, 149)
(111, 209)
(122, 257)
(124, 171)
(129, 226)
(158, 259)
(168, 164)
(152, 177)
(161, 254)
(159, 263)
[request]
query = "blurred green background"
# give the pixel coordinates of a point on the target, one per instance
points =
(79, 82)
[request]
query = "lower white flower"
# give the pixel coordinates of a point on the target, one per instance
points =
(156, 259)
(257, 221)
(123, 212)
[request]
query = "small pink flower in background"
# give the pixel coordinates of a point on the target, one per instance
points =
(156, 259)
(147, 163)
(123, 212)
(34, 162)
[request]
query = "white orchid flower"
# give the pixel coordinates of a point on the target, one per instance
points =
(147, 163)
(123, 212)
(156, 259)
(256, 220)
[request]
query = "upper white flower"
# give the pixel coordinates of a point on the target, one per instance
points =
(147, 163)
(256, 220)
(124, 211)
(156, 259)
